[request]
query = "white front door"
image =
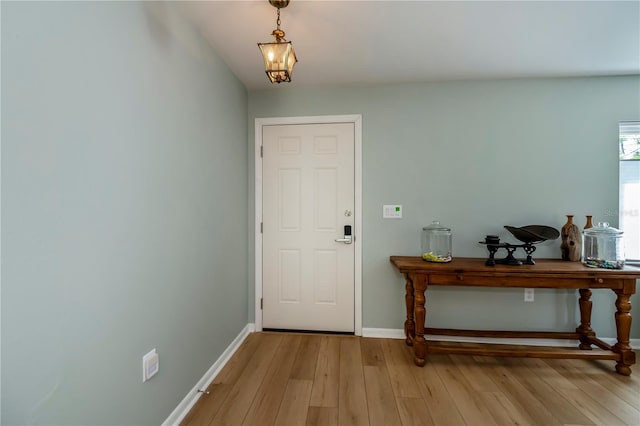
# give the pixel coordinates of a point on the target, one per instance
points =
(308, 198)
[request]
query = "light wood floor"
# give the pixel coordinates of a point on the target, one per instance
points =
(297, 379)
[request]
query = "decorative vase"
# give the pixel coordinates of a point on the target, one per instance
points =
(589, 223)
(571, 240)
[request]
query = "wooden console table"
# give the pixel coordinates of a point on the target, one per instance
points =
(546, 273)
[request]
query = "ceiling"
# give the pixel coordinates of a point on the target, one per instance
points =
(379, 42)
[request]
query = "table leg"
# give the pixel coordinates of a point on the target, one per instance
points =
(409, 324)
(585, 330)
(623, 327)
(419, 344)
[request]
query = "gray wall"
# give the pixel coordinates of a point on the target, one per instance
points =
(124, 183)
(476, 156)
(124, 199)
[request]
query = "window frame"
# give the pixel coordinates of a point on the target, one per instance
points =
(629, 151)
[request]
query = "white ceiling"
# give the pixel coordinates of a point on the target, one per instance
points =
(377, 42)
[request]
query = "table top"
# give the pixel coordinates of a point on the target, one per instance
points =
(415, 264)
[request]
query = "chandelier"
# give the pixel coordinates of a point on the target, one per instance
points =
(279, 57)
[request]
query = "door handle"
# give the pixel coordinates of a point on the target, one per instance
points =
(348, 238)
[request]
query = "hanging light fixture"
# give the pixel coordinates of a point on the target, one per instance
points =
(279, 57)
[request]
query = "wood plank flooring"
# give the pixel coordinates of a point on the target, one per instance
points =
(308, 379)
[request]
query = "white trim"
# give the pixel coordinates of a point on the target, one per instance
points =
(398, 333)
(356, 119)
(257, 224)
(383, 333)
(192, 397)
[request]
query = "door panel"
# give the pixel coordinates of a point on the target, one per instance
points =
(308, 198)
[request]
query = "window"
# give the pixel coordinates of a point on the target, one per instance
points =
(630, 187)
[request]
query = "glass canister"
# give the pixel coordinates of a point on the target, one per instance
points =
(436, 243)
(603, 247)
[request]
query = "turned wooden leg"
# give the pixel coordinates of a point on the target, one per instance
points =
(623, 327)
(585, 330)
(419, 344)
(409, 324)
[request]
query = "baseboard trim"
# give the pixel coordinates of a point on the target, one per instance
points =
(383, 333)
(396, 333)
(192, 397)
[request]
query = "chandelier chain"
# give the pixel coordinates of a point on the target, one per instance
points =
(278, 21)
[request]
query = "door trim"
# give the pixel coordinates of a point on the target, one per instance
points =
(324, 119)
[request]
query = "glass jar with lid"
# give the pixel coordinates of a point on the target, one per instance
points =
(603, 247)
(436, 243)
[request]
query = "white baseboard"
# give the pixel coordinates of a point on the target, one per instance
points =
(192, 397)
(396, 333)
(383, 333)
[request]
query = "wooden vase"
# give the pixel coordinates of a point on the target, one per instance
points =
(589, 223)
(571, 240)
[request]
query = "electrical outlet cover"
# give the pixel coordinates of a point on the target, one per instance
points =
(150, 365)
(528, 295)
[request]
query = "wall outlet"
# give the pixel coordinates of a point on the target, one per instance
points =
(150, 365)
(528, 295)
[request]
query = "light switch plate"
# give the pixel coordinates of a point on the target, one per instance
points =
(392, 211)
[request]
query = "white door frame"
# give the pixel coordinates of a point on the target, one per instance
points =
(324, 119)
